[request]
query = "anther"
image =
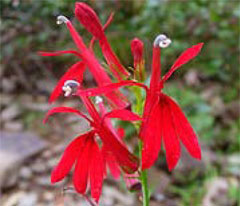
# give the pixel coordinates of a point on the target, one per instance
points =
(98, 100)
(162, 41)
(62, 19)
(70, 87)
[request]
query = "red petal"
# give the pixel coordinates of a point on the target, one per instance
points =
(114, 167)
(89, 19)
(156, 68)
(96, 171)
(96, 69)
(74, 73)
(114, 63)
(103, 111)
(152, 98)
(185, 131)
(109, 88)
(80, 176)
(152, 136)
(170, 138)
(121, 132)
(185, 57)
(110, 159)
(127, 161)
(64, 110)
(68, 158)
(123, 114)
(111, 163)
(109, 20)
(59, 53)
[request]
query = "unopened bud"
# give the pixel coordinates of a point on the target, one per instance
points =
(137, 52)
(132, 182)
(137, 49)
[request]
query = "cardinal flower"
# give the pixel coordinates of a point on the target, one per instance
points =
(85, 153)
(90, 161)
(163, 120)
(88, 59)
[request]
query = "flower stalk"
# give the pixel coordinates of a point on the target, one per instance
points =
(144, 180)
(143, 177)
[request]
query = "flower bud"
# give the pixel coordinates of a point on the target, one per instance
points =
(137, 52)
(132, 182)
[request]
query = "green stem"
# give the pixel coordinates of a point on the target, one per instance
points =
(143, 173)
(145, 188)
(144, 180)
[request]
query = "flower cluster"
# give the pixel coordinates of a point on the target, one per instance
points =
(102, 148)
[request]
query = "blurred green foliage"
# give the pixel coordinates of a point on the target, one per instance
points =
(30, 26)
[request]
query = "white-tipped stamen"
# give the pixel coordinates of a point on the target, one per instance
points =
(70, 87)
(98, 99)
(162, 41)
(62, 19)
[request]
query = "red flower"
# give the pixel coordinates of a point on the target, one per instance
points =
(88, 60)
(91, 22)
(163, 119)
(84, 151)
(110, 159)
